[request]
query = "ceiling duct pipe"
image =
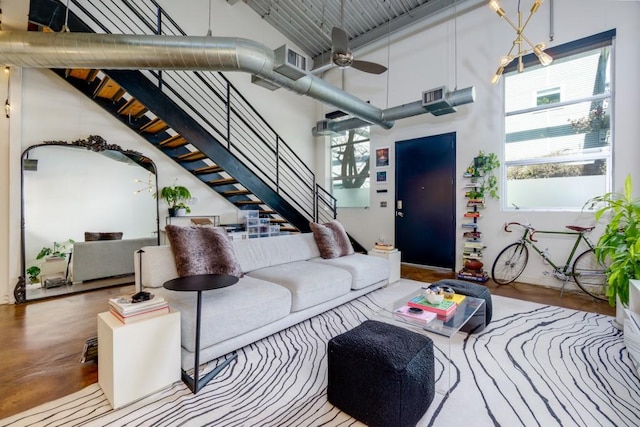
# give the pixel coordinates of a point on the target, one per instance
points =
(147, 52)
(437, 101)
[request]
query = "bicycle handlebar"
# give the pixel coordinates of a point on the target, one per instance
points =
(525, 226)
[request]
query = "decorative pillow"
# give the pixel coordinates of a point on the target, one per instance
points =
(332, 239)
(202, 250)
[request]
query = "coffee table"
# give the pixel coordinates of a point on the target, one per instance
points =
(470, 310)
(199, 283)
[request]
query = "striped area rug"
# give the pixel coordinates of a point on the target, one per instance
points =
(535, 365)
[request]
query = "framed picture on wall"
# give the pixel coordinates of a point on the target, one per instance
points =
(382, 157)
(381, 177)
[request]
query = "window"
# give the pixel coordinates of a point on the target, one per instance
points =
(350, 168)
(558, 128)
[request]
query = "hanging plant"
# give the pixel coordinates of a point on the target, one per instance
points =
(482, 173)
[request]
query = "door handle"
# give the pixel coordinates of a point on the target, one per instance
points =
(400, 214)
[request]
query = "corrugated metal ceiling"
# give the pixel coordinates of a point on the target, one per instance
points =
(309, 22)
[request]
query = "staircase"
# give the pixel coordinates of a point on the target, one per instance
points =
(196, 118)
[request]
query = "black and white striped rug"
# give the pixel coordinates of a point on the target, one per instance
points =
(534, 365)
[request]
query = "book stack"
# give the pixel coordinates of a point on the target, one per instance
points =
(385, 248)
(443, 309)
(126, 311)
(422, 317)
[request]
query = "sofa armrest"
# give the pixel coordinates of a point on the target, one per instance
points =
(156, 266)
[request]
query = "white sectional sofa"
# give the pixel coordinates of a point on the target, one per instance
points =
(285, 282)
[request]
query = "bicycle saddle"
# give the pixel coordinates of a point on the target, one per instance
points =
(580, 229)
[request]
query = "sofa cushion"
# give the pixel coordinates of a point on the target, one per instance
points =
(310, 283)
(229, 312)
(331, 239)
(202, 250)
(253, 254)
(364, 269)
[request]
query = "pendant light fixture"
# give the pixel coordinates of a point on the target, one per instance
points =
(537, 49)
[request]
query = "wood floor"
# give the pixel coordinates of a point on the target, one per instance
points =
(43, 341)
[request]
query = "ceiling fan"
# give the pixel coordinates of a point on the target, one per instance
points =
(343, 57)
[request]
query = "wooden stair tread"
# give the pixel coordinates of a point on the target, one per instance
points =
(222, 181)
(188, 157)
(133, 108)
(208, 169)
(154, 126)
(86, 74)
(235, 192)
(109, 89)
(249, 202)
(278, 220)
(174, 142)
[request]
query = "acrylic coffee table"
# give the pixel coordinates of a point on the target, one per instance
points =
(469, 314)
(199, 283)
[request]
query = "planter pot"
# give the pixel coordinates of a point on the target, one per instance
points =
(632, 337)
(172, 212)
(181, 212)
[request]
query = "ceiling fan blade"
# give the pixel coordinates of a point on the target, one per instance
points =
(368, 67)
(339, 40)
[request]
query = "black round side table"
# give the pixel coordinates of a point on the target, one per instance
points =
(199, 283)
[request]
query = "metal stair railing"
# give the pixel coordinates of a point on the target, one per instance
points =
(211, 100)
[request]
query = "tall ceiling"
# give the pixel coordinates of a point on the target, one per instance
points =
(309, 22)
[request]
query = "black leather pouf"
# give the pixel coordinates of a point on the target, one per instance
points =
(381, 374)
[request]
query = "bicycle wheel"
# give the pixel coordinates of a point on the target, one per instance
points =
(510, 263)
(589, 274)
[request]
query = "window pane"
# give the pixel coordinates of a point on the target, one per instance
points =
(556, 185)
(558, 132)
(350, 168)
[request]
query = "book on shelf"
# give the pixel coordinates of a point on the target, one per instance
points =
(473, 245)
(140, 316)
(124, 306)
(472, 235)
(469, 225)
(472, 215)
(444, 308)
(421, 317)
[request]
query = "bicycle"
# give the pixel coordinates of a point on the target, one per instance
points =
(586, 270)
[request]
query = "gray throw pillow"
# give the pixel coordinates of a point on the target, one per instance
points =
(202, 250)
(332, 239)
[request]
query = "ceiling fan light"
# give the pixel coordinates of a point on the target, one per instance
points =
(495, 6)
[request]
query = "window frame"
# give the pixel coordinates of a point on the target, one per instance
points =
(604, 39)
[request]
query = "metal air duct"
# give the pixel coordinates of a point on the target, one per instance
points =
(146, 52)
(441, 102)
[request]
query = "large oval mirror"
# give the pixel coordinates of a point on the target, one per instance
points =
(87, 206)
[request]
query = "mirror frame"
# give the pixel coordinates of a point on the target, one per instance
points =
(93, 143)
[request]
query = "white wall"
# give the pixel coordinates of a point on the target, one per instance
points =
(425, 59)
(53, 110)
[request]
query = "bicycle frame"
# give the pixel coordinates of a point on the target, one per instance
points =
(527, 238)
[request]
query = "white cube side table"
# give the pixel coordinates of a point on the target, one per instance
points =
(394, 263)
(137, 358)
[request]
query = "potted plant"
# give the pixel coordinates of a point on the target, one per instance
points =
(619, 244)
(182, 209)
(58, 251)
(175, 196)
(33, 274)
(482, 172)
